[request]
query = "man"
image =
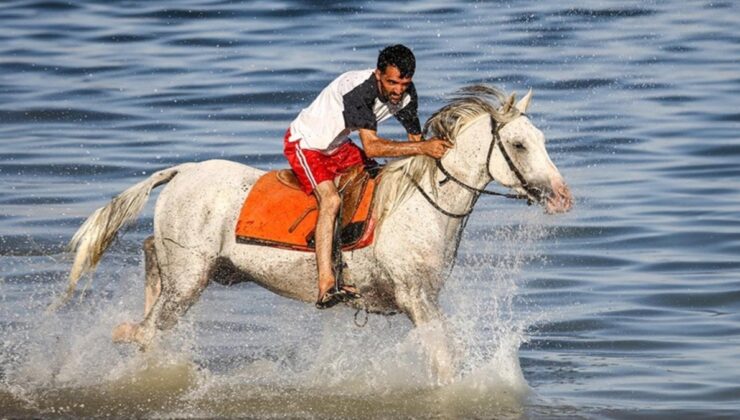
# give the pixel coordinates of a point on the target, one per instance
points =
(318, 147)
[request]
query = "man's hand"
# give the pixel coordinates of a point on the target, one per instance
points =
(435, 147)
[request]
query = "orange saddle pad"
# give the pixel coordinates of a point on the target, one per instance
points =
(275, 214)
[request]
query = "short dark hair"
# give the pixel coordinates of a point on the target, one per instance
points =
(399, 56)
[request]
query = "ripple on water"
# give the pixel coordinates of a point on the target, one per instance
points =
(52, 115)
(628, 302)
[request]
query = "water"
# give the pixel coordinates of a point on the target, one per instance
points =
(627, 306)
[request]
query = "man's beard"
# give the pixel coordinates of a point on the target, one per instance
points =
(394, 100)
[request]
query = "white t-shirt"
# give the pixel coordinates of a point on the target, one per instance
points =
(350, 102)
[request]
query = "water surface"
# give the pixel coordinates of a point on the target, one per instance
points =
(625, 307)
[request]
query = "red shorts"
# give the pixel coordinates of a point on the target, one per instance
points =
(312, 167)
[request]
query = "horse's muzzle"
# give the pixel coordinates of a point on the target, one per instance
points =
(559, 199)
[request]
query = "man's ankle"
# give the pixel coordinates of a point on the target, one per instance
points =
(326, 283)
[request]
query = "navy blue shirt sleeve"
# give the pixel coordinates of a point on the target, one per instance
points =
(358, 106)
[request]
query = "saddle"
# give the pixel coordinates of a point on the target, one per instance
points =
(278, 213)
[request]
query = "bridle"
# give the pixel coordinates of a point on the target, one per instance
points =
(533, 194)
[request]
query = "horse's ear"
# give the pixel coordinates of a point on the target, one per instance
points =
(509, 102)
(523, 103)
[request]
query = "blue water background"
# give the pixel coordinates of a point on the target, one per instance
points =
(632, 299)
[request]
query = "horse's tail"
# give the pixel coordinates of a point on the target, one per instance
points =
(94, 237)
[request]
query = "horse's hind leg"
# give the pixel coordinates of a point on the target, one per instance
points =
(182, 281)
(152, 289)
(153, 286)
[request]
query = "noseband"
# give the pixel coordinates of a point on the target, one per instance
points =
(532, 193)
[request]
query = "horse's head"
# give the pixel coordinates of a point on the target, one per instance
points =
(520, 161)
(500, 143)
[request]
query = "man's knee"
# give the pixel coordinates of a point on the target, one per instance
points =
(329, 200)
(330, 204)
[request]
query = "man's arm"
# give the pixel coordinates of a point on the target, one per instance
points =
(380, 147)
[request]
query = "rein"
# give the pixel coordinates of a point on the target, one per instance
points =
(449, 177)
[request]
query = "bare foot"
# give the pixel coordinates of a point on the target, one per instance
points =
(324, 286)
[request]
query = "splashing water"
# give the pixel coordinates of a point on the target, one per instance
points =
(242, 351)
(489, 316)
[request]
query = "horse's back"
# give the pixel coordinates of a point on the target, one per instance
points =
(226, 173)
(204, 199)
(226, 169)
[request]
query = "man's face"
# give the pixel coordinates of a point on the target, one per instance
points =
(391, 84)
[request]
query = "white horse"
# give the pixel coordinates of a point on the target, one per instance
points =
(420, 211)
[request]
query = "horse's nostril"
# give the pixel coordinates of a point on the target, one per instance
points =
(559, 200)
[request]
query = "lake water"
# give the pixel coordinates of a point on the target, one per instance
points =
(625, 307)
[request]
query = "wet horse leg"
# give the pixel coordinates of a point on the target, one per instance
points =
(433, 331)
(152, 289)
(178, 285)
(153, 280)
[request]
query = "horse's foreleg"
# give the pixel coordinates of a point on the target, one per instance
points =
(432, 332)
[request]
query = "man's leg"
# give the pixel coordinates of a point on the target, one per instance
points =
(329, 202)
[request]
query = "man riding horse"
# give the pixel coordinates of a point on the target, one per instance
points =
(318, 148)
(419, 215)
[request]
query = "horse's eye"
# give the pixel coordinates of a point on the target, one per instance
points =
(519, 146)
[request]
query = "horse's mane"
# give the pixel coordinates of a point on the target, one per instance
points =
(398, 177)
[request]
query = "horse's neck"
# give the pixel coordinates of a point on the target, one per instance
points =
(427, 228)
(452, 197)
(466, 165)
(460, 201)
(421, 229)
(467, 161)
